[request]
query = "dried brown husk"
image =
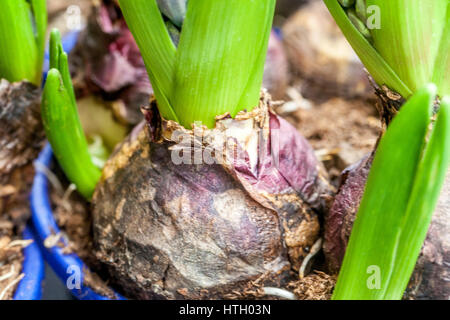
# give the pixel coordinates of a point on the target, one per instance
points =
(203, 231)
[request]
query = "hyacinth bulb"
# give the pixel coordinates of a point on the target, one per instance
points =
(169, 223)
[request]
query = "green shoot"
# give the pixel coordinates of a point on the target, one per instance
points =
(403, 43)
(23, 24)
(347, 3)
(398, 203)
(218, 64)
(62, 124)
(442, 65)
(373, 61)
(409, 38)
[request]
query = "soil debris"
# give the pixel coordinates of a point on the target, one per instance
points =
(341, 131)
(316, 286)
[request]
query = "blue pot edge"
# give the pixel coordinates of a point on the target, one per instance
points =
(64, 265)
(30, 287)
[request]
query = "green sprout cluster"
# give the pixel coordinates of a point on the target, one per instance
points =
(62, 124)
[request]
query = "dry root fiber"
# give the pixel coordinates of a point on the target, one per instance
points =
(10, 264)
(199, 230)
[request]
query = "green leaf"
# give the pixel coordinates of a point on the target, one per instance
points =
(398, 202)
(380, 70)
(220, 58)
(62, 124)
(409, 37)
(39, 13)
(347, 3)
(359, 24)
(22, 32)
(361, 9)
(442, 65)
(218, 66)
(428, 182)
(150, 32)
(59, 61)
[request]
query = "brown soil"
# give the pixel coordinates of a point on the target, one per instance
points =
(331, 100)
(14, 213)
(19, 145)
(316, 286)
(341, 131)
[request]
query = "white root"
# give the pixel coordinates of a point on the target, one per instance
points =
(65, 199)
(69, 192)
(8, 275)
(52, 240)
(314, 250)
(10, 285)
(54, 181)
(277, 292)
(19, 243)
(297, 102)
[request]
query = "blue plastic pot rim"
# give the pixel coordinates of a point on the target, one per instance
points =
(30, 287)
(69, 267)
